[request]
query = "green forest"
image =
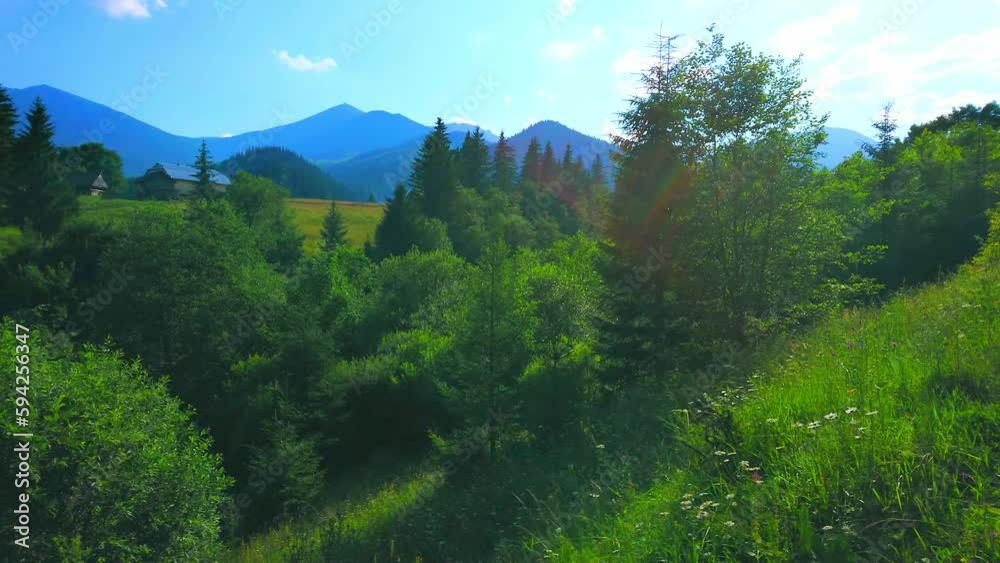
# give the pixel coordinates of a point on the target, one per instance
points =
(706, 348)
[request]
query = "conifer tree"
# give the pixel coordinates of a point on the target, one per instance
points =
(531, 169)
(597, 174)
(391, 235)
(334, 231)
(504, 166)
(475, 159)
(41, 198)
(204, 165)
(549, 167)
(567, 160)
(433, 177)
(8, 119)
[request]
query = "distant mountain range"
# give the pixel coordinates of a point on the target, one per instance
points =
(381, 170)
(366, 151)
(840, 144)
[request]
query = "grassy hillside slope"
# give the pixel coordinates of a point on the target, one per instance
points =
(360, 218)
(874, 438)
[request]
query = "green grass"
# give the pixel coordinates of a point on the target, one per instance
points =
(912, 473)
(349, 526)
(361, 218)
(901, 463)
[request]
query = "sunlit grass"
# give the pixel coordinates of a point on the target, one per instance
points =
(361, 219)
(344, 527)
(874, 438)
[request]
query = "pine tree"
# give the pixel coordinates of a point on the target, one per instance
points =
(531, 169)
(504, 166)
(41, 198)
(433, 177)
(597, 174)
(567, 160)
(8, 119)
(334, 231)
(475, 158)
(644, 328)
(549, 167)
(204, 165)
(581, 178)
(885, 139)
(391, 235)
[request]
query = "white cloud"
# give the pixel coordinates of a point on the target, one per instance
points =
(564, 51)
(463, 120)
(631, 62)
(568, 50)
(226, 135)
(885, 67)
(627, 69)
(507, 100)
(130, 8)
(302, 63)
(813, 36)
(923, 107)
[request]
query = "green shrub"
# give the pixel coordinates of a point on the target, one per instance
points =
(118, 472)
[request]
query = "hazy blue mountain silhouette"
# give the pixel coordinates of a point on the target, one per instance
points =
(368, 151)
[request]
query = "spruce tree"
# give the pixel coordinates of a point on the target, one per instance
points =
(334, 231)
(392, 236)
(475, 158)
(567, 160)
(504, 166)
(597, 174)
(204, 165)
(41, 198)
(8, 119)
(531, 169)
(433, 177)
(581, 179)
(549, 167)
(644, 326)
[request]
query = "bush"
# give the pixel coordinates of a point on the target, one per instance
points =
(118, 472)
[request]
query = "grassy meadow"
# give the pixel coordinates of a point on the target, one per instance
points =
(873, 437)
(360, 218)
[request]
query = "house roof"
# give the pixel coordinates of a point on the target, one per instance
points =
(87, 180)
(188, 173)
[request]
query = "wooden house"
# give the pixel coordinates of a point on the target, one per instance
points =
(87, 183)
(177, 179)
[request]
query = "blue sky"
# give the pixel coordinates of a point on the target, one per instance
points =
(214, 67)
